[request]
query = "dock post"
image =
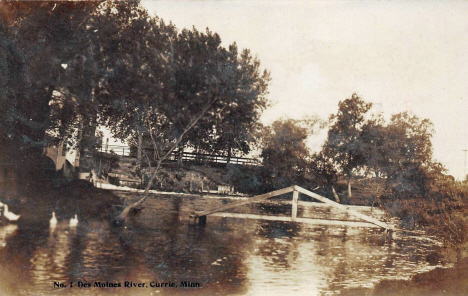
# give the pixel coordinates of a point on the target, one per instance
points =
(202, 220)
(294, 204)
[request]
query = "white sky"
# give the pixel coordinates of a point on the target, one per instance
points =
(398, 55)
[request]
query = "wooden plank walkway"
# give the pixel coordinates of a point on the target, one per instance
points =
(296, 190)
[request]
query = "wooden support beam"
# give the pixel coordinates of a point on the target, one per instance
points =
(294, 204)
(300, 220)
(342, 207)
(243, 202)
(295, 189)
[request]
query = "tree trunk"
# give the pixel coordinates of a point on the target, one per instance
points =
(140, 144)
(180, 154)
(349, 188)
(337, 198)
(229, 155)
(153, 175)
(127, 209)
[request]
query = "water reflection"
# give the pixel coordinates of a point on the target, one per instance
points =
(228, 256)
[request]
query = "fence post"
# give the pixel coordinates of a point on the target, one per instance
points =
(294, 205)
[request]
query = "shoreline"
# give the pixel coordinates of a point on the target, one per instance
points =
(449, 280)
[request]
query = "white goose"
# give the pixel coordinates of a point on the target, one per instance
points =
(53, 221)
(74, 221)
(9, 215)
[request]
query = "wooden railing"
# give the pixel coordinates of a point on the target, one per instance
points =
(212, 158)
(123, 150)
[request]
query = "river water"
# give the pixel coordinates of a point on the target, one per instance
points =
(228, 256)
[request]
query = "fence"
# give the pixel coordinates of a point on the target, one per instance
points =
(195, 157)
(212, 158)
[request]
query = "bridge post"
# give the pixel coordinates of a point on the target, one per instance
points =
(294, 204)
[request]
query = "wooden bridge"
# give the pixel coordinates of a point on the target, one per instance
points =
(200, 216)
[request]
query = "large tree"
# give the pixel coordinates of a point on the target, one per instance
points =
(49, 35)
(408, 153)
(285, 153)
(166, 87)
(136, 51)
(235, 132)
(399, 151)
(44, 37)
(344, 143)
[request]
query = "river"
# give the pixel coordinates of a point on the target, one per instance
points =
(229, 256)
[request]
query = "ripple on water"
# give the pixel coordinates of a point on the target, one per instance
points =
(229, 255)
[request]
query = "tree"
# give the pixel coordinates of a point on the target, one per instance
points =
(11, 66)
(177, 82)
(44, 36)
(400, 151)
(234, 133)
(284, 151)
(344, 143)
(325, 171)
(139, 68)
(408, 153)
(49, 36)
(375, 141)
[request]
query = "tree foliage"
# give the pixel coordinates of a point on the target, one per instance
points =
(285, 153)
(40, 38)
(399, 150)
(46, 35)
(344, 143)
(84, 63)
(235, 131)
(162, 80)
(408, 153)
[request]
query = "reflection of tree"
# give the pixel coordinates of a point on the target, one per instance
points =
(75, 261)
(276, 246)
(275, 208)
(343, 269)
(17, 258)
(168, 250)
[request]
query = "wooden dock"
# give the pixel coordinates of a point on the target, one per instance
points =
(219, 210)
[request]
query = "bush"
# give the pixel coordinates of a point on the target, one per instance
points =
(244, 179)
(443, 211)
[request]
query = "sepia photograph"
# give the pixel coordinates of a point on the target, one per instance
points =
(270, 147)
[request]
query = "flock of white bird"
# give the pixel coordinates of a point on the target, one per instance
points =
(53, 221)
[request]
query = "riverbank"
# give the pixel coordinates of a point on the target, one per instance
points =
(448, 281)
(451, 281)
(76, 197)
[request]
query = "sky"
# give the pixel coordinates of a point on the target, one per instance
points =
(401, 56)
